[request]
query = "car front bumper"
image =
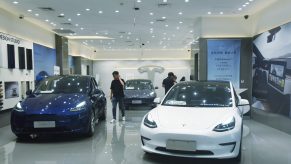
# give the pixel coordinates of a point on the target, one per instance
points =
(22, 123)
(220, 145)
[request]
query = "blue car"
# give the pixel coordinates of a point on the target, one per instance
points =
(60, 104)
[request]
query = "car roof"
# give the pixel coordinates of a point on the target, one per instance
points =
(213, 82)
(139, 80)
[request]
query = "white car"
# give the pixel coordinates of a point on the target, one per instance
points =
(196, 119)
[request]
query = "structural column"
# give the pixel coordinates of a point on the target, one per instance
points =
(62, 51)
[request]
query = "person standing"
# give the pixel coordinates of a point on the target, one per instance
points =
(117, 95)
(168, 82)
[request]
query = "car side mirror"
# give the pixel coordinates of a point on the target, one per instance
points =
(29, 92)
(156, 87)
(244, 106)
(157, 100)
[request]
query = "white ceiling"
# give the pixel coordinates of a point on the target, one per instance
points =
(130, 28)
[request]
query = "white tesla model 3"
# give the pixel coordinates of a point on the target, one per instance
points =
(196, 119)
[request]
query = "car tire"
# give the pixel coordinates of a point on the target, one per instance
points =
(104, 114)
(91, 128)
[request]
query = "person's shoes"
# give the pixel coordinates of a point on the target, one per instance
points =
(123, 118)
(112, 121)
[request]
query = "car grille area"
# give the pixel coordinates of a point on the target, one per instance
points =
(198, 152)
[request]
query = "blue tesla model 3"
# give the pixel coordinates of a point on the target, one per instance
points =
(60, 104)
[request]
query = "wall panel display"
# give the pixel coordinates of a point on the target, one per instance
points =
(272, 71)
(11, 89)
(43, 67)
(223, 60)
(21, 57)
(29, 59)
(11, 56)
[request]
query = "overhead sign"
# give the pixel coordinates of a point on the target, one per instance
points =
(223, 60)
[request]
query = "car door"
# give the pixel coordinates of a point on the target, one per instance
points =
(98, 97)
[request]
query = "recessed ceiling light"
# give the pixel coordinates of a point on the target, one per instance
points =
(180, 22)
(76, 25)
(69, 19)
(15, 2)
(82, 28)
(251, 0)
(136, 39)
(209, 13)
(47, 20)
(240, 9)
(78, 14)
(153, 36)
(52, 23)
(151, 13)
(165, 33)
(166, 25)
(62, 14)
(117, 11)
(221, 13)
(129, 33)
(180, 13)
(36, 14)
(29, 10)
(121, 36)
(106, 33)
(191, 31)
(165, 1)
(148, 41)
(186, 1)
(247, 3)
(151, 22)
(151, 29)
(100, 12)
(244, 5)
(138, 1)
(163, 17)
(88, 9)
(62, 28)
(96, 33)
(178, 28)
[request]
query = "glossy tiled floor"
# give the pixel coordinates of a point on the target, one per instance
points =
(120, 143)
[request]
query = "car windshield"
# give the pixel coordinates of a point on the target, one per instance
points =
(138, 85)
(58, 84)
(199, 94)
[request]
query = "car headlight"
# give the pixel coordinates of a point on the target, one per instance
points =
(227, 125)
(149, 122)
(18, 107)
(79, 107)
(152, 94)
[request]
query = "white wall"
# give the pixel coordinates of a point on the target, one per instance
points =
(128, 70)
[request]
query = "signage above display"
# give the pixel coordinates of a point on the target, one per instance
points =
(9, 38)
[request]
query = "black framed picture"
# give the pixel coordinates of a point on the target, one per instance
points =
(11, 56)
(21, 57)
(29, 59)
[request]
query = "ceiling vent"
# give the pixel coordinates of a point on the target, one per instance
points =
(61, 16)
(122, 32)
(161, 20)
(64, 31)
(164, 4)
(128, 41)
(46, 9)
(67, 23)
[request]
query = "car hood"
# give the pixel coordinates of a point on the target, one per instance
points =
(51, 103)
(138, 93)
(191, 118)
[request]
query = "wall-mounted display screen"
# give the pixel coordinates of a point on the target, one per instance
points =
(277, 75)
(11, 89)
(223, 60)
(29, 59)
(21, 57)
(11, 56)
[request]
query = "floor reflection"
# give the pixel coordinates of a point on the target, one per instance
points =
(120, 144)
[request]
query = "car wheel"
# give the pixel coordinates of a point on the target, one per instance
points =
(91, 124)
(104, 114)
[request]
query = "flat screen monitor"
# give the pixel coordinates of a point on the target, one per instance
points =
(21, 57)
(11, 56)
(29, 59)
(277, 75)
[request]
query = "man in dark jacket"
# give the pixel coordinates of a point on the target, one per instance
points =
(117, 95)
(168, 82)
